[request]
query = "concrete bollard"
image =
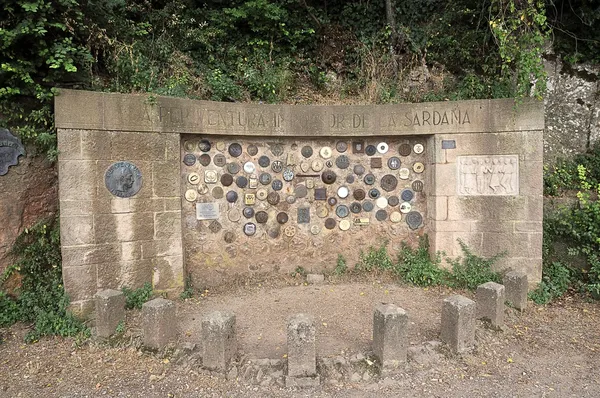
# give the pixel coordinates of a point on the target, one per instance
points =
(159, 325)
(219, 343)
(490, 303)
(110, 310)
(517, 287)
(301, 355)
(390, 335)
(458, 323)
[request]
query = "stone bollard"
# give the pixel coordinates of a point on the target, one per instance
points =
(159, 324)
(315, 279)
(390, 335)
(490, 303)
(219, 343)
(517, 287)
(458, 323)
(110, 310)
(301, 355)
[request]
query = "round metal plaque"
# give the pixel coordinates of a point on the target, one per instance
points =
(250, 229)
(193, 178)
(374, 193)
(341, 146)
(368, 206)
(289, 231)
(343, 192)
(300, 191)
(330, 223)
(241, 182)
(274, 232)
(220, 146)
(288, 174)
(226, 180)
(189, 145)
(304, 166)
(261, 217)
(326, 152)
(123, 179)
(329, 163)
(418, 167)
(233, 168)
(252, 150)
(217, 192)
(332, 201)
(342, 162)
(369, 179)
(395, 216)
(210, 177)
(204, 145)
(350, 179)
(381, 202)
(393, 201)
(405, 207)
(231, 196)
(404, 173)
(407, 195)
(202, 189)
(219, 160)
(191, 195)
(370, 150)
(204, 159)
(355, 207)
(249, 167)
(291, 199)
(248, 212)
(417, 185)
(277, 166)
(264, 178)
(264, 161)
(414, 219)
(234, 215)
(235, 149)
(418, 148)
(277, 185)
(344, 225)
(306, 151)
(262, 194)
(229, 237)
(381, 215)
(273, 198)
(389, 183)
(189, 159)
(404, 149)
(317, 165)
(315, 230)
(394, 163)
(359, 169)
(382, 147)
(328, 177)
(282, 218)
(277, 149)
(359, 194)
(322, 211)
(342, 211)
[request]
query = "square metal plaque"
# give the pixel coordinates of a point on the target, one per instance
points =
(207, 211)
(303, 215)
(320, 193)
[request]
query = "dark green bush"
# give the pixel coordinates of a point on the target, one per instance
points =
(416, 266)
(470, 270)
(135, 298)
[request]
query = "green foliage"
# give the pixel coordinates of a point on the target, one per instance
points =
(471, 270)
(556, 280)
(120, 329)
(416, 266)
(41, 298)
(564, 174)
(340, 265)
(189, 290)
(299, 271)
(135, 298)
(374, 259)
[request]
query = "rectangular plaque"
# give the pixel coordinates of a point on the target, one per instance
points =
(376, 163)
(303, 215)
(448, 144)
(320, 193)
(207, 211)
(488, 175)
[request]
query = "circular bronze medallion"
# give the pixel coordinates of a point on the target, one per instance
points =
(328, 177)
(369, 179)
(381, 215)
(190, 195)
(189, 145)
(404, 149)
(350, 179)
(248, 212)
(395, 217)
(341, 146)
(219, 160)
(261, 194)
(306, 151)
(204, 159)
(234, 215)
(329, 163)
(289, 231)
(389, 182)
(304, 166)
(288, 174)
(374, 193)
(193, 178)
(322, 211)
(332, 201)
(217, 192)
(407, 195)
(355, 207)
(214, 226)
(252, 150)
(291, 199)
(359, 169)
(414, 219)
(233, 168)
(189, 159)
(418, 167)
(277, 149)
(342, 162)
(359, 194)
(315, 230)
(368, 206)
(231, 196)
(417, 185)
(235, 149)
(229, 237)
(405, 207)
(264, 161)
(220, 146)
(264, 178)
(370, 150)
(330, 223)
(282, 218)
(317, 165)
(261, 217)
(241, 182)
(343, 192)
(393, 201)
(342, 211)
(274, 232)
(394, 163)
(273, 198)
(204, 145)
(277, 185)
(226, 180)
(277, 166)
(300, 191)
(250, 229)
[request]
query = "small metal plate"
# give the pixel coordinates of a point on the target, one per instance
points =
(359, 169)
(248, 212)
(310, 184)
(241, 182)
(341, 146)
(219, 160)
(277, 185)
(189, 145)
(290, 231)
(217, 192)
(291, 199)
(252, 150)
(404, 149)
(282, 217)
(277, 166)
(215, 226)
(204, 145)
(329, 164)
(326, 152)
(350, 179)
(370, 150)
(202, 189)
(342, 211)
(381, 215)
(361, 221)
(189, 159)
(355, 207)
(304, 167)
(395, 217)
(344, 225)
(261, 217)
(210, 177)
(273, 198)
(418, 167)
(300, 191)
(235, 149)
(448, 144)
(249, 199)
(274, 232)
(288, 174)
(306, 151)
(262, 194)
(369, 179)
(330, 223)
(322, 211)
(220, 146)
(404, 173)
(204, 159)
(394, 163)
(389, 183)
(290, 160)
(382, 148)
(417, 185)
(414, 219)
(317, 165)
(405, 207)
(253, 182)
(342, 162)
(407, 195)
(374, 193)
(249, 167)
(368, 206)
(231, 196)
(381, 202)
(233, 168)
(393, 201)
(359, 194)
(191, 195)
(328, 177)
(315, 230)
(234, 215)
(264, 161)
(320, 193)
(343, 192)
(418, 149)
(193, 178)
(277, 149)
(264, 178)
(226, 180)
(229, 237)
(303, 215)
(376, 163)
(249, 229)
(358, 147)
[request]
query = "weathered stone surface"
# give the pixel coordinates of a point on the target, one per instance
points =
(110, 310)
(315, 279)
(80, 282)
(390, 334)
(490, 303)
(159, 324)
(301, 334)
(458, 323)
(517, 286)
(219, 343)
(302, 382)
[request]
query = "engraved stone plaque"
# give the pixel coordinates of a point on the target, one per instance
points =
(10, 150)
(207, 211)
(488, 175)
(123, 179)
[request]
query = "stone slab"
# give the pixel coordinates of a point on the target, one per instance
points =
(390, 334)
(218, 340)
(159, 323)
(490, 299)
(301, 335)
(110, 310)
(517, 287)
(458, 323)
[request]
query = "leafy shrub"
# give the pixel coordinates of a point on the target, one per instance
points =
(470, 271)
(416, 266)
(556, 280)
(340, 265)
(135, 298)
(374, 259)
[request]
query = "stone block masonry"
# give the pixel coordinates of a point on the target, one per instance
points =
(110, 311)
(301, 355)
(159, 323)
(390, 335)
(490, 303)
(516, 285)
(458, 323)
(218, 340)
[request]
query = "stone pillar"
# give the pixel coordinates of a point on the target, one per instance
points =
(490, 303)
(218, 340)
(302, 356)
(458, 323)
(110, 310)
(159, 324)
(517, 287)
(390, 334)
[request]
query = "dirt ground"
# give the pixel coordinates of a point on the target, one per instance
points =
(547, 351)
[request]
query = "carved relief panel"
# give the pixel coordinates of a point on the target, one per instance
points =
(488, 175)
